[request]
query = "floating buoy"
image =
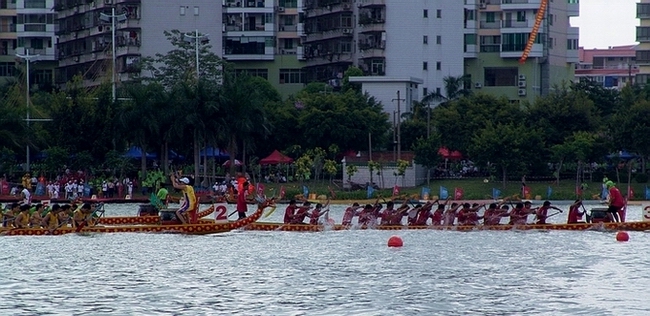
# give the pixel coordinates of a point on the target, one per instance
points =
(395, 241)
(620, 236)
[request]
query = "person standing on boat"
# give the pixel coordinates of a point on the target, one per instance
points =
(189, 201)
(290, 212)
(575, 215)
(242, 207)
(615, 200)
(542, 213)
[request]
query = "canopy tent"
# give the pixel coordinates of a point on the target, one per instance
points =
(275, 158)
(136, 152)
(622, 155)
(227, 163)
(451, 155)
(212, 152)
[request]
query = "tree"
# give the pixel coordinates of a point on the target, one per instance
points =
(455, 88)
(426, 152)
(352, 71)
(576, 147)
(330, 167)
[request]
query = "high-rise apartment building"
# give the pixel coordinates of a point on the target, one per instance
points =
(643, 37)
(84, 39)
(389, 39)
(496, 35)
(27, 27)
(263, 38)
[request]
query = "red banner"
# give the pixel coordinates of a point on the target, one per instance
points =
(395, 191)
(282, 192)
(260, 189)
(458, 193)
(527, 193)
(4, 189)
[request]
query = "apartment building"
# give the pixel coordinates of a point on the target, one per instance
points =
(263, 38)
(613, 67)
(496, 34)
(643, 37)
(27, 27)
(390, 39)
(84, 39)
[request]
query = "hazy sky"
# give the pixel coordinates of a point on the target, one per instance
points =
(606, 23)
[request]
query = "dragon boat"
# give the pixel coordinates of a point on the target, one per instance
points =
(165, 223)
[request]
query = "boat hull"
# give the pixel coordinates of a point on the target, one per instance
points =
(628, 226)
(143, 220)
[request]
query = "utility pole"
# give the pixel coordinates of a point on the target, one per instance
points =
(113, 19)
(196, 38)
(399, 119)
(28, 58)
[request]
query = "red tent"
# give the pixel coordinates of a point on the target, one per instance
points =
(445, 153)
(275, 158)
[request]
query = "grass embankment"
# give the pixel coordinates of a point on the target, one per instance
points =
(474, 189)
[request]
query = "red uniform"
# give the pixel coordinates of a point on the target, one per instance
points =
(542, 214)
(348, 215)
(471, 218)
(574, 215)
(313, 219)
(422, 217)
(396, 218)
(241, 202)
(518, 216)
(462, 217)
(289, 214)
(491, 217)
(616, 198)
(300, 215)
(436, 217)
(386, 216)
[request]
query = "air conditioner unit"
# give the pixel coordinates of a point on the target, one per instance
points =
(522, 77)
(521, 92)
(478, 85)
(522, 84)
(76, 58)
(482, 5)
(280, 9)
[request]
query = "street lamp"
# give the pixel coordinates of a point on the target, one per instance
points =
(28, 58)
(112, 18)
(196, 38)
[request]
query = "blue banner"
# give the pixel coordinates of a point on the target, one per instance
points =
(549, 191)
(425, 193)
(444, 193)
(305, 191)
(604, 193)
(496, 193)
(647, 193)
(371, 190)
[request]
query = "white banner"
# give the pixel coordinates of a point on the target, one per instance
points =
(221, 212)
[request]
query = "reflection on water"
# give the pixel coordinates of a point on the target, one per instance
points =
(326, 273)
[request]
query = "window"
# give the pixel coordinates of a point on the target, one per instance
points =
(196, 10)
(426, 13)
(291, 76)
(377, 67)
(521, 16)
(7, 69)
(643, 56)
(438, 65)
(550, 43)
(288, 3)
(572, 44)
(501, 77)
(439, 14)
(490, 44)
(425, 39)
(490, 17)
(550, 19)
(514, 42)
(424, 91)
(425, 65)
(34, 4)
(263, 73)
(182, 8)
(438, 90)
(438, 39)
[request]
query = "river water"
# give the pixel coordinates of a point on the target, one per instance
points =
(327, 273)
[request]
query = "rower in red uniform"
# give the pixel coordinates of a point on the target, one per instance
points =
(350, 213)
(301, 213)
(289, 213)
(396, 219)
(450, 215)
(542, 213)
(471, 216)
(436, 217)
(425, 213)
(387, 213)
(413, 214)
(575, 215)
(519, 215)
(318, 212)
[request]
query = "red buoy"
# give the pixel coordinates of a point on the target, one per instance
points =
(622, 236)
(395, 241)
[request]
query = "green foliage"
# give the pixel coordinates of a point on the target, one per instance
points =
(56, 158)
(351, 170)
(303, 167)
(402, 165)
(641, 178)
(352, 71)
(330, 167)
(426, 151)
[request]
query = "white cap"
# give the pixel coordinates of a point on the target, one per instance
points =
(184, 180)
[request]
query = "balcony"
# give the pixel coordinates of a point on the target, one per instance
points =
(572, 56)
(643, 34)
(247, 4)
(8, 28)
(470, 26)
(331, 58)
(329, 9)
(331, 34)
(573, 8)
(371, 3)
(505, 24)
(643, 10)
(470, 51)
(490, 24)
(521, 4)
(515, 51)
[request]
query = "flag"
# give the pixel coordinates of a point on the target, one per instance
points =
(305, 191)
(549, 191)
(458, 193)
(526, 191)
(647, 193)
(282, 192)
(371, 190)
(578, 191)
(444, 194)
(496, 193)
(630, 193)
(426, 192)
(395, 190)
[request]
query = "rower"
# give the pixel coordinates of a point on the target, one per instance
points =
(64, 214)
(450, 215)
(51, 219)
(615, 201)
(575, 215)
(396, 218)
(189, 203)
(542, 213)
(350, 213)
(425, 213)
(387, 213)
(301, 213)
(318, 212)
(289, 213)
(364, 215)
(36, 218)
(10, 215)
(436, 217)
(82, 215)
(22, 219)
(471, 215)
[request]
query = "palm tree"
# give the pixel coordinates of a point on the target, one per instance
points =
(455, 88)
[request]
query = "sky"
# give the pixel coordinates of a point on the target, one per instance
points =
(606, 23)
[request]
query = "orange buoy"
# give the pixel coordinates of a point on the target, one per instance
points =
(395, 241)
(622, 236)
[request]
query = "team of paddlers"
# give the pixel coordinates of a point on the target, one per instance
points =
(436, 213)
(24, 215)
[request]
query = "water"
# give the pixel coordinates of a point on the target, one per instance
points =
(326, 273)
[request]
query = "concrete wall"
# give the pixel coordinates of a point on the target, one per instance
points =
(273, 67)
(414, 176)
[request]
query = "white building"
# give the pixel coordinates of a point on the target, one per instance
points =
(384, 38)
(395, 94)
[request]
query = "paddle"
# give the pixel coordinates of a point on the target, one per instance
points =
(85, 222)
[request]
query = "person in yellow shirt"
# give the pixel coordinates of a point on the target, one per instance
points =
(22, 219)
(10, 215)
(64, 214)
(36, 218)
(189, 201)
(82, 215)
(51, 219)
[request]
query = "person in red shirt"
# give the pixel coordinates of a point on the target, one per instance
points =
(289, 213)
(450, 215)
(396, 218)
(301, 213)
(242, 207)
(318, 212)
(387, 213)
(575, 215)
(436, 217)
(424, 214)
(519, 214)
(350, 213)
(615, 200)
(542, 213)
